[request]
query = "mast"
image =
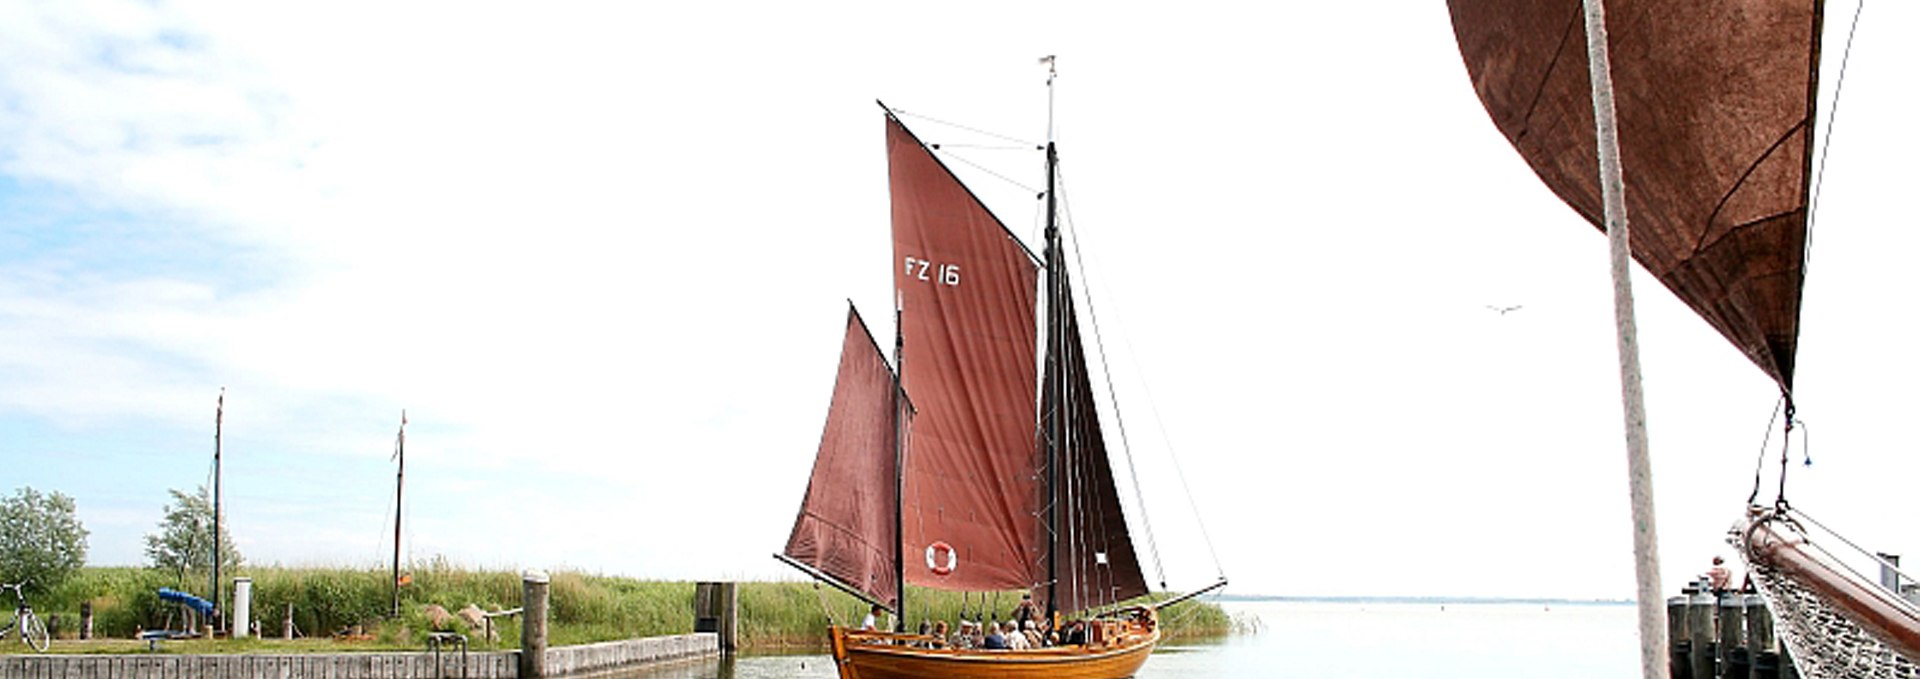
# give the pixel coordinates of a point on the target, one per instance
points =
(399, 484)
(219, 415)
(899, 476)
(1646, 545)
(1056, 340)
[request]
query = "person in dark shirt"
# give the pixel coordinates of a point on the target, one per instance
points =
(995, 641)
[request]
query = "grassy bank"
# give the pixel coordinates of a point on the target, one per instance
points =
(584, 608)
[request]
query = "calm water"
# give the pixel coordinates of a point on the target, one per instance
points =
(1342, 640)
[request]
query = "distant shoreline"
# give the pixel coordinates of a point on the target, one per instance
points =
(1457, 600)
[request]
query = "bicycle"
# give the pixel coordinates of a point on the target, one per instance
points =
(33, 632)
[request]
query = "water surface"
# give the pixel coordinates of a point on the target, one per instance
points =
(1339, 641)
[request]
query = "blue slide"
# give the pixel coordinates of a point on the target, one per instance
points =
(202, 605)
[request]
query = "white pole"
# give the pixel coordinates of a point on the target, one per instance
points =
(1646, 547)
(242, 607)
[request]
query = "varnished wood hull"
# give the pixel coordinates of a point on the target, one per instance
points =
(859, 656)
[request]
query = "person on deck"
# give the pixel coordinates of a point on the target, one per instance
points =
(871, 622)
(1015, 640)
(1718, 577)
(995, 641)
(1024, 612)
(939, 635)
(1032, 633)
(964, 637)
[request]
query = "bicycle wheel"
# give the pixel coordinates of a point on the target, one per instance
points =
(35, 632)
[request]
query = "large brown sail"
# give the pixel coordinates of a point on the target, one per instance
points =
(1096, 561)
(1715, 104)
(846, 524)
(967, 290)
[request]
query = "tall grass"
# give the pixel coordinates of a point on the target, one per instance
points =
(583, 608)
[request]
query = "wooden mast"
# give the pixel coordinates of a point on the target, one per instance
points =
(1056, 336)
(1646, 545)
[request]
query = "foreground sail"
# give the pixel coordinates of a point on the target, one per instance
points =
(1716, 105)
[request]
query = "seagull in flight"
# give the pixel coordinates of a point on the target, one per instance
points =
(1504, 309)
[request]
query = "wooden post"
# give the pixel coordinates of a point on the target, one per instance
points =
(286, 624)
(1679, 650)
(1759, 624)
(1735, 660)
(533, 625)
(86, 620)
(716, 607)
(1700, 632)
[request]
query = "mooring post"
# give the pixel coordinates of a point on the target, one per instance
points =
(1759, 624)
(1735, 660)
(716, 608)
(1700, 632)
(1679, 650)
(286, 624)
(86, 620)
(533, 625)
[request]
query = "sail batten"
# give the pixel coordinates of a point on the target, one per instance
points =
(1715, 103)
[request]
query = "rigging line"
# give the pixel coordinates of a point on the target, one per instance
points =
(1786, 448)
(1843, 540)
(1120, 422)
(969, 128)
(1760, 461)
(1826, 141)
(983, 168)
(982, 147)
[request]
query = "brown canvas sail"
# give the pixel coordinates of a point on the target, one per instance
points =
(1715, 104)
(967, 290)
(1096, 561)
(846, 524)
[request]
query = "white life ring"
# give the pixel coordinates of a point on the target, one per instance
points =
(942, 558)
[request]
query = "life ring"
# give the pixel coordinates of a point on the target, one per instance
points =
(942, 558)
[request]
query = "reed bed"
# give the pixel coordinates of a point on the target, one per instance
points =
(348, 609)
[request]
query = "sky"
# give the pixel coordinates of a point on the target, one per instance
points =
(600, 254)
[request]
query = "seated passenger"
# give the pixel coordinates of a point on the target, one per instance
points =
(995, 641)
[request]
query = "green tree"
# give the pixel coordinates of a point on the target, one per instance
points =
(184, 546)
(40, 539)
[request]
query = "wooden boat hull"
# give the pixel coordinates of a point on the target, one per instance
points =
(867, 655)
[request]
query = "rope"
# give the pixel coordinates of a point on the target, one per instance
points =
(824, 606)
(1826, 141)
(1760, 461)
(1786, 447)
(983, 168)
(975, 130)
(1119, 420)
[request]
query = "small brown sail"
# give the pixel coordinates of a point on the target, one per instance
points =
(1096, 561)
(1715, 104)
(967, 290)
(846, 524)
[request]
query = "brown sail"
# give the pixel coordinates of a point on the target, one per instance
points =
(967, 290)
(1715, 104)
(846, 524)
(1096, 561)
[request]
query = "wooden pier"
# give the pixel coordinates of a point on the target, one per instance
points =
(1727, 635)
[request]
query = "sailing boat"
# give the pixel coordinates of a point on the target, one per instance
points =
(1716, 104)
(973, 468)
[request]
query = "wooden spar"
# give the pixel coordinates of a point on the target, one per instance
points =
(219, 416)
(399, 483)
(821, 576)
(1890, 620)
(1189, 595)
(1646, 548)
